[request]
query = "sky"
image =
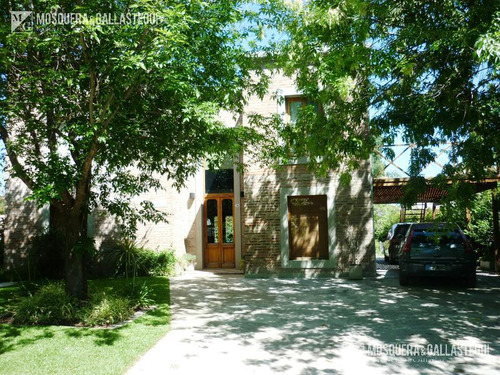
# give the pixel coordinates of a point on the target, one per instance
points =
(403, 161)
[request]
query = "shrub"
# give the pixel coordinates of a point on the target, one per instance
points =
(154, 263)
(480, 228)
(124, 255)
(2, 230)
(138, 295)
(164, 264)
(145, 261)
(105, 309)
(385, 216)
(48, 305)
(133, 260)
(2, 249)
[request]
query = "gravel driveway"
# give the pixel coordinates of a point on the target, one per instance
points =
(227, 324)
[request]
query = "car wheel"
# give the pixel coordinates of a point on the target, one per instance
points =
(403, 279)
(470, 281)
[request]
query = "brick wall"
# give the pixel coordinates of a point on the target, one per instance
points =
(353, 214)
(179, 232)
(23, 221)
(261, 220)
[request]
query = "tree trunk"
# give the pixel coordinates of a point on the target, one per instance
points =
(72, 227)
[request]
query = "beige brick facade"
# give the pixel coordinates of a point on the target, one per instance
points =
(350, 217)
(23, 221)
(260, 217)
(179, 232)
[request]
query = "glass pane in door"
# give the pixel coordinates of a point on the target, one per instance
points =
(227, 221)
(212, 221)
(219, 181)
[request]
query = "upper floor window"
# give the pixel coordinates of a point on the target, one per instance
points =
(294, 104)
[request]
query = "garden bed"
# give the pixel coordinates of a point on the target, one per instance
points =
(57, 349)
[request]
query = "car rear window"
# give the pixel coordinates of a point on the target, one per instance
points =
(426, 244)
(401, 229)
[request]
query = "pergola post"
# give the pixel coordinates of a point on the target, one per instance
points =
(496, 229)
(402, 214)
(468, 217)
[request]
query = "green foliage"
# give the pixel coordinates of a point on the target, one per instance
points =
(378, 166)
(2, 246)
(488, 44)
(427, 70)
(134, 260)
(127, 103)
(326, 51)
(140, 296)
(48, 305)
(480, 228)
(125, 255)
(86, 350)
(157, 263)
(385, 216)
(85, 247)
(154, 263)
(105, 309)
(142, 95)
(46, 254)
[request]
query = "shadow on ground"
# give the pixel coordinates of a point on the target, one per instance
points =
(332, 326)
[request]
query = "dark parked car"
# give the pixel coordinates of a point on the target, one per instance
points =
(394, 237)
(436, 250)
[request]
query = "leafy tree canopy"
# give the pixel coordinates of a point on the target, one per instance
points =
(426, 69)
(116, 104)
(96, 112)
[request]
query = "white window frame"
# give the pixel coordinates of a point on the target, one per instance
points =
(320, 189)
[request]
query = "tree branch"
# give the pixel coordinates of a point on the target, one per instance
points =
(82, 185)
(16, 165)
(93, 79)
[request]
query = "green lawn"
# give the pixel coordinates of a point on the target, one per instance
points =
(72, 350)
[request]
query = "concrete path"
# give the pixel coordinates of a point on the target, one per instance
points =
(226, 324)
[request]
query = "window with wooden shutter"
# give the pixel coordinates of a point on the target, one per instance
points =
(308, 227)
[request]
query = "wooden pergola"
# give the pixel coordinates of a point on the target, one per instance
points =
(391, 190)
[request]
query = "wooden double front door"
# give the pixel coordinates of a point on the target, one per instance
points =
(219, 231)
